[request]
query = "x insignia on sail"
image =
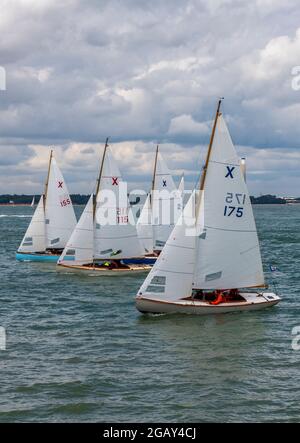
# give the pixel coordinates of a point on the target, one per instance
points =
(229, 171)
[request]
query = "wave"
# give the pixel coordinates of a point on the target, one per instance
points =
(15, 216)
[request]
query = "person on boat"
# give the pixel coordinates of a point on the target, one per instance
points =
(114, 264)
(197, 294)
(232, 295)
(219, 298)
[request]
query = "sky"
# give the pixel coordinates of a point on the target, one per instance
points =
(143, 72)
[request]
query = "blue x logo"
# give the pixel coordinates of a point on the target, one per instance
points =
(229, 171)
(164, 183)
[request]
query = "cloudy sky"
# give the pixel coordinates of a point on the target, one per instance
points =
(144, 71)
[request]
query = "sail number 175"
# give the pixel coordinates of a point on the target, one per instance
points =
(234, 204)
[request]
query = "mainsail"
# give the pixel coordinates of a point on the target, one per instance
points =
(115, 230)
(224, 253)
(80, 247)
(166, 203)
(59, 212)
(228, 251)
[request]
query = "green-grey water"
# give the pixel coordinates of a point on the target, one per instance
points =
(77, 349)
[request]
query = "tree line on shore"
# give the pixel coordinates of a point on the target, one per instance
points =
(80, 199)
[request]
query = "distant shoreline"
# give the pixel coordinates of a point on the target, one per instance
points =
(81, 199)
(15, 204)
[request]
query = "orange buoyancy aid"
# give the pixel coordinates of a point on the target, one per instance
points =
(218, 300)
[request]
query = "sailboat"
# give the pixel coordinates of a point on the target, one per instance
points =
(218, 269)
(33, 201)
(161, 210)
(53, 220)
(107, 248)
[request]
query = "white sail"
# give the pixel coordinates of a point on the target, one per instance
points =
(166, 204)
(224, 253)
(33, 201)
(243, 167)
(172, 275)
(59, 212)
(144, 227)
(35, 238)
(228, 253)
(181, 185)
(80, 247)
(115, 231)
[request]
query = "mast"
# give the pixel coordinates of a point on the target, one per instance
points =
(154, 174)
(47, 180)
(100, 175)
(202, 183)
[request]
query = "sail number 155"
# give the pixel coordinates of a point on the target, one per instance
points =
(234, 201)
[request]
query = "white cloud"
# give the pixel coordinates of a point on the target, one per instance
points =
(185, 124)
(142, 71)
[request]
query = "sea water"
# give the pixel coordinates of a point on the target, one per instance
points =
(76, 349)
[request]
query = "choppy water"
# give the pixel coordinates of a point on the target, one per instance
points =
(77, 350)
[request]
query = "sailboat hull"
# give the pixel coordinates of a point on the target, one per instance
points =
(141, 261)
(253, 301)
(132, 269)
(42, 257)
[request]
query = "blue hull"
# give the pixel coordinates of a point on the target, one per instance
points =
(140, 261)
(53, 259)
(37, 257)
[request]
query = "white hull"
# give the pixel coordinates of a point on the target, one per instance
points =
(132, 269)
(253, 301)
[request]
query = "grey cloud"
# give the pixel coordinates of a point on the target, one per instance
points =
(138, 70)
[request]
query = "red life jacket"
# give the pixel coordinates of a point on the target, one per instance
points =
(219, 299)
